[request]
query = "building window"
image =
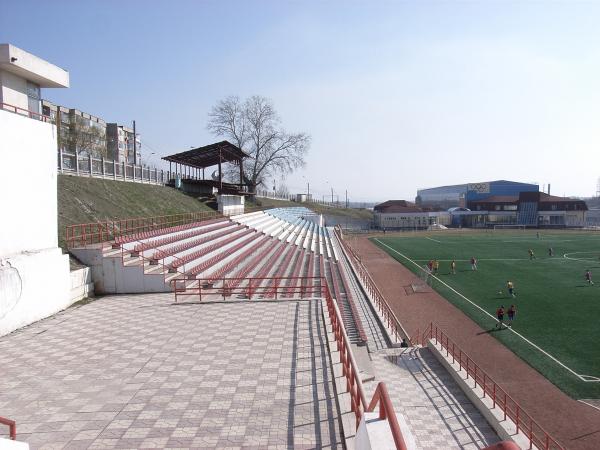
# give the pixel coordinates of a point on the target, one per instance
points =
(33, 97)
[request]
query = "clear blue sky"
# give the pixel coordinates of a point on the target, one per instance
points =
(396, 95)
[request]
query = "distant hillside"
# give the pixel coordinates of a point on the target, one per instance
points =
(85, 200)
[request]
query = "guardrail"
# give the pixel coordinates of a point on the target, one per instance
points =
(80, 235)
(12, 427)
(308, 288)
(24, 112)
(524, 422)
(275, 287)
(363, 274)
(87, 165)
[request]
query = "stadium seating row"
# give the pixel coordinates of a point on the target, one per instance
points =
(281, 242)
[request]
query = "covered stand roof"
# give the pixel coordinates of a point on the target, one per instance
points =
(209, 155)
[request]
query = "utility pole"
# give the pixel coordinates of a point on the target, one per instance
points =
(346, 198)
(332, 195)
(134, 146)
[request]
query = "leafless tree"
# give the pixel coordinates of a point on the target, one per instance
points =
(254, 126)
(86, 139)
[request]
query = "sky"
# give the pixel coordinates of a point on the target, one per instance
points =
(396, 95)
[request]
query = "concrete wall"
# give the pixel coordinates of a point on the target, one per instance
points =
(231, 205)
(13, 90)
(34, 274)
(28, 184)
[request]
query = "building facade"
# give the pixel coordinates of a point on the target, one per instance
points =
(34, 273)
(531, 209)
(78, 131)
(22, 75)
(120, 144)
(459, 195)
(403, 215)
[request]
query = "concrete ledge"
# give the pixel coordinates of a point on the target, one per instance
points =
(505, 428)
(82, 285)
(7, 444)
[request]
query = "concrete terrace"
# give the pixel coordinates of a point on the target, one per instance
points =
(139, 372)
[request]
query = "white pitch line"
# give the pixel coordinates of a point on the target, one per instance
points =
(434, 240)
(585, 378)
(488, 259)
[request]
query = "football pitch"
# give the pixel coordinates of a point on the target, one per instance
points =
(557, 326)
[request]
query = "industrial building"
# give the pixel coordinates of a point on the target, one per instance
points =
(459, 195)
(480, 205)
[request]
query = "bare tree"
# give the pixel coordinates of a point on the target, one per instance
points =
(254, 126)
(86, 138)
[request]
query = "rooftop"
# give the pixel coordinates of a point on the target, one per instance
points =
(209, 155)
(32, 68)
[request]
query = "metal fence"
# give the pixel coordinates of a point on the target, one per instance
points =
(90, 166)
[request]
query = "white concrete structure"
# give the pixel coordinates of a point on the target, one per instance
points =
(23, 74)
(230, 205)
(34, 274)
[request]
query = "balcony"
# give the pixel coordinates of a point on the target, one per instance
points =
(24, 112)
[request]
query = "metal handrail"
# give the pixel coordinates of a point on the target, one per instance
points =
(523, 421)
(29, 113)
(369, 284)
(386, 411)
(12, 427)
(97, 232)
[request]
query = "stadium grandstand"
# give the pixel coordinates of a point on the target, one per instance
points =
(261, 329)
(273, 294)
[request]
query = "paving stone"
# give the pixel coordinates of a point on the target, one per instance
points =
(135, 371)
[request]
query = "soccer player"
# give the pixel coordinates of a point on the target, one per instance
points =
(531, 254)
(511, 288)
(500, 316)
(512, 311)
(453, 267)
(473, 263)
(550, 251)
(588, 277)
(436, 266)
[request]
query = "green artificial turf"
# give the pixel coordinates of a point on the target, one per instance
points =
(557, 310)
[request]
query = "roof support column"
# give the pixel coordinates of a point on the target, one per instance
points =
(220, 173)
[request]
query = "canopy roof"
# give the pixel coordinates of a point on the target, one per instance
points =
(209, 155)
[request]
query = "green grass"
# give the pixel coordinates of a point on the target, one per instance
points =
(86, 200)
(557, 310)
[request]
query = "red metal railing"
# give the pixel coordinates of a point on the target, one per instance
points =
(511, 409)
(386, 411)
(384, 308)
(307, 287)
(12, 427)
(24, 112)
(80, 235)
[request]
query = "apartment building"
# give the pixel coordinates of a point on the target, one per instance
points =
(120, 144)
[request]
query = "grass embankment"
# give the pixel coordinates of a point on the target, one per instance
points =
(557, 309)
(87, 200)
(353, 213)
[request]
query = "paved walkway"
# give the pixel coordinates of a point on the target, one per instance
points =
(434, 406)
(138, 372)
(574, 424)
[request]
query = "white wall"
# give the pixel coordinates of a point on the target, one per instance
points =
(13, 90)
(27, 185)
(34, 274)
(230, 205)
